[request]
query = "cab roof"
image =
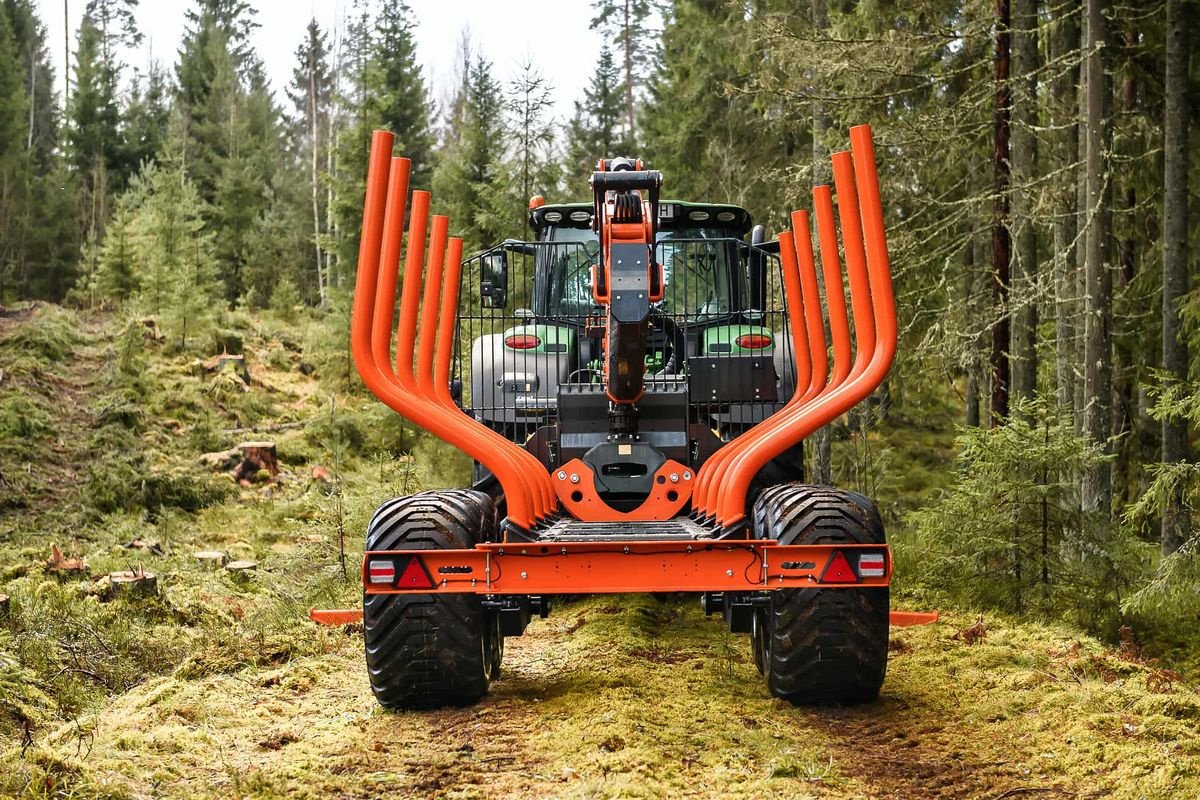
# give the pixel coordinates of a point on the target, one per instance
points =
(671, 214)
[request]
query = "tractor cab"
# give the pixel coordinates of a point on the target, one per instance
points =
(713, 346)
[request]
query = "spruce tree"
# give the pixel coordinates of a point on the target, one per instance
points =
(397, 100)
(595, 130)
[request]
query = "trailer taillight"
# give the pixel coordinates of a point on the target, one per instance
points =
(381, 572)
(522, 341)
(838, 570)
(754, 341)
(872, 565)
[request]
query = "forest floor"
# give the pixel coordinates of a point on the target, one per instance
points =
(220, 686)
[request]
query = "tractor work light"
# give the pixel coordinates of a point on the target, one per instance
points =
(522, 341)
(754, 341)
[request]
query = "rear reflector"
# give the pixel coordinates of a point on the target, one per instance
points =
(838, 570)
(872, 565)
(381, 572)
(522, 341)
(415, 576)
(754, 341)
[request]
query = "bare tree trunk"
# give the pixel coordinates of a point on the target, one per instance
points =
(66, 52)
(314, 143)
(1024, 168)
(822, 456)
(1066, 117)
(1001, 243)
(972, 416)
(1097, 361)
(1125, 371)
(628, 37)
(1175, 253)
(1081, 227)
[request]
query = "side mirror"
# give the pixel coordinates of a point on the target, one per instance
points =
(493, 284)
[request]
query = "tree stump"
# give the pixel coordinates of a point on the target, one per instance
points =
(256, 456)
(64, 566)
(133, 583)
(211, 559)
(5, 607)
(241, 567)
(225, 362)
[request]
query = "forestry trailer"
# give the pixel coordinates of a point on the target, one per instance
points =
(633, 384)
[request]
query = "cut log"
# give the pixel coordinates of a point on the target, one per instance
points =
(150, 329)
(132, 583)
(222, 459)
(211, 559)
(146, 546)
(63, 565)
(256, 456)
(225, 362)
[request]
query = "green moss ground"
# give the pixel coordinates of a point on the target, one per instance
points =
(222, 688)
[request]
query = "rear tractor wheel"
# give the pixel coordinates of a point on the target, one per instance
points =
(821, 646)
(430, 650)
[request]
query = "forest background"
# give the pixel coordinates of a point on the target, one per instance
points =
(1033, 446)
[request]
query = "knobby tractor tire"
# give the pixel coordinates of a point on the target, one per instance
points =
(430, 650)
(821, 646)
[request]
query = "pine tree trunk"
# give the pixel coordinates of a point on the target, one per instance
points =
(971, 415)
(1175, 252)
(1097, 361)
(1066, 119)
(822, 440)
(628, 36)
(1081, 227)
(314, 143)
(1001, 243)
(1024, 168)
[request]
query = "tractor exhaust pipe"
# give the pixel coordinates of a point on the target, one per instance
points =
(525, 482)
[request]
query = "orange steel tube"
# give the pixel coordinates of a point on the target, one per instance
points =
(796, 306)
(501, 457)
(429, 306)
(856, 261)
(835, 297)
(799, 422)
(446, 324)
(819, 354)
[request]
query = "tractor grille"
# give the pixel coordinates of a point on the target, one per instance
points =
(570, 530)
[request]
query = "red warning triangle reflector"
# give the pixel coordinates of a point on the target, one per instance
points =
(414, 576)
(838, 570)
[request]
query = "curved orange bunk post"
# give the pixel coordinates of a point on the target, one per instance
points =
(805, 350)
(869, 218)
(446, 324)
(856, 262)
(383, 213)
(715, 471)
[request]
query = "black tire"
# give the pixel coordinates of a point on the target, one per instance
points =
(822, 646)
(427, 650)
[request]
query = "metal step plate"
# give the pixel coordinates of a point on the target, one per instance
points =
(573, 530)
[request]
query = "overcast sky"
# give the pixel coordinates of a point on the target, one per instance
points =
(552, 33)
